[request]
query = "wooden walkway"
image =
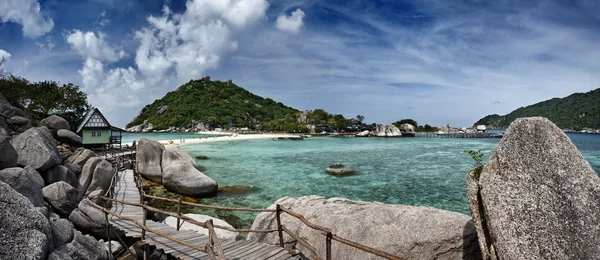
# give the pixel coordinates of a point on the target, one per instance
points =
(126, 190)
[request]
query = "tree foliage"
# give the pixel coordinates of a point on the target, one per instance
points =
(577, 111)
(41, 99)
(406, 121)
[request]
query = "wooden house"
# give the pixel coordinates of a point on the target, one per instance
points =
(96, 131)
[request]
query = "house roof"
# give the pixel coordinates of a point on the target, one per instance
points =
(89, 115)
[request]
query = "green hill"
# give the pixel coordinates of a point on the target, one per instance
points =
(577, 111)
(213, 102)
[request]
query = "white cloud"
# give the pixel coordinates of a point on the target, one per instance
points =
(89, 45)
(292, 23)
(28, 14)
(4, 55)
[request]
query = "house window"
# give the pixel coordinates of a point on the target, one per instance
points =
(97, 133)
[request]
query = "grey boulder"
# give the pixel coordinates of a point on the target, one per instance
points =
(55, 123)
(537, 197)
(180, 175)
(60, 173)
(81, 247)
(24, 181)
(66, 136)
(101, 178)
(37, 148)
(61, 196)
(87, 175)
(148, 159)
(89, 218)
(74, 168)
(406, 231)
(24, 233)
(19, 120)
(62, 231)
(8, 155)
(81, 156)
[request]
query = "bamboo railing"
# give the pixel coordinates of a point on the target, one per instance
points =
(214, 243)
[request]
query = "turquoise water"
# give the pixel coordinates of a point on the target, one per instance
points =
(413, 171)
(130, 137)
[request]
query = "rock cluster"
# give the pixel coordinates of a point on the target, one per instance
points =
(174, 169)
(39, 189)
(537, 197)
(193, 126)
(407, 130)
(406, 231)
(385, 130)
(338, 169)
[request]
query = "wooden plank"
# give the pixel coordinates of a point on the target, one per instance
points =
(281, 255)
(253, 248)
(229, 246)
(273, 252)
(260, 254)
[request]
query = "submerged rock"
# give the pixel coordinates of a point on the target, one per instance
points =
(339, 169)
(537, 197)
(406, 231)
(180, 175)
(201, 157)
(148, 159)
(237, 189)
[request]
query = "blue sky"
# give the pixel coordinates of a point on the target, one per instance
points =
(450, 61)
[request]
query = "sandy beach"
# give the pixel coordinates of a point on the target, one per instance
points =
(171, 144)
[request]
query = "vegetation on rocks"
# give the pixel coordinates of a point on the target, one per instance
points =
(577, 111)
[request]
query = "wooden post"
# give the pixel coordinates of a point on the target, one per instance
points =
(145, 211)
(279, 229)
(110, 255)
(178, 213)
(328, 245)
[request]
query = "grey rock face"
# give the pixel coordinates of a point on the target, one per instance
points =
(8, 155)
(74, 168)
(55, 123)
(62, 231)
(69, 137)
(60, 173)
(9, 111)
(405, 231)
(62, 197)
(82, 247)
(87, 175)
(148, 159)
(81, 156)
(23, 182)
(89, 219)
(37, 148)
(64, 150)
(181, 175)
(538, 196)
(101, 178)
(24, 233)
(384, 130)
(19, 120)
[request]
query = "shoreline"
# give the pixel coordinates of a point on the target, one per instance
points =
(170, 144)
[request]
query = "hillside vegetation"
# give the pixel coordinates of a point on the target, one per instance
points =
(213, 102)
(577, 111)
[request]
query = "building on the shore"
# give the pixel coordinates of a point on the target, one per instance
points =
(96, 131)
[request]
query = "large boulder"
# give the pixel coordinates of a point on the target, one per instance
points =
(101, 178)
(60, 173)
(62, 231)
(61, 196)
(66, 136)
(55, 123)
(25, 232)
(89, 218)
(24, 181)
(406, 231)
(384, 130)
(537, 197)
(9, 111)
(180, 175)
(8, 155)
(19, 120)
(221, 233)
(37, 148)
(65, 150)
(74, 168)
(81, 156)
(148, 159)
(407, 130)
(338, 169)
(87, 175)
(81, 247)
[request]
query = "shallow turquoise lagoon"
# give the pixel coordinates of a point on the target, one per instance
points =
(130, 137)
(413, 171)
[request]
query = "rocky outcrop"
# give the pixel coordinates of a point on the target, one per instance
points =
(8, 155)
(407, 130)
(162, 109)
(148, 159)
(81, 156)
(89, 219)
(64, 150)
(365, 133)
(87, 174)
(61, 196)
(221, 233)
(74, 168)
(68, 137)
(24, 233)
(81, 247)
(537, 197)
(24, 182)
(180, 174)
(55, 123)
(60, 173)
(406, 231)
(96, 174)
(338, 169)
(37, 148)
(383, 130)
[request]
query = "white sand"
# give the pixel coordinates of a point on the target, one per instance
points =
(171, 144)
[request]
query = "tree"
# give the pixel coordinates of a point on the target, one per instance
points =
(319, 116)
(360, 118)
(406, 121)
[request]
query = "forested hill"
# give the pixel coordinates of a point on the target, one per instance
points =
(577, 111)
(212, 102)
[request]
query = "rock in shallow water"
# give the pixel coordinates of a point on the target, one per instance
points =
(339, 170)
(181, 175)
(148, 159)
(406, 231)
(537, 197)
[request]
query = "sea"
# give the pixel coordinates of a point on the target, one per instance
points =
(413, 171)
